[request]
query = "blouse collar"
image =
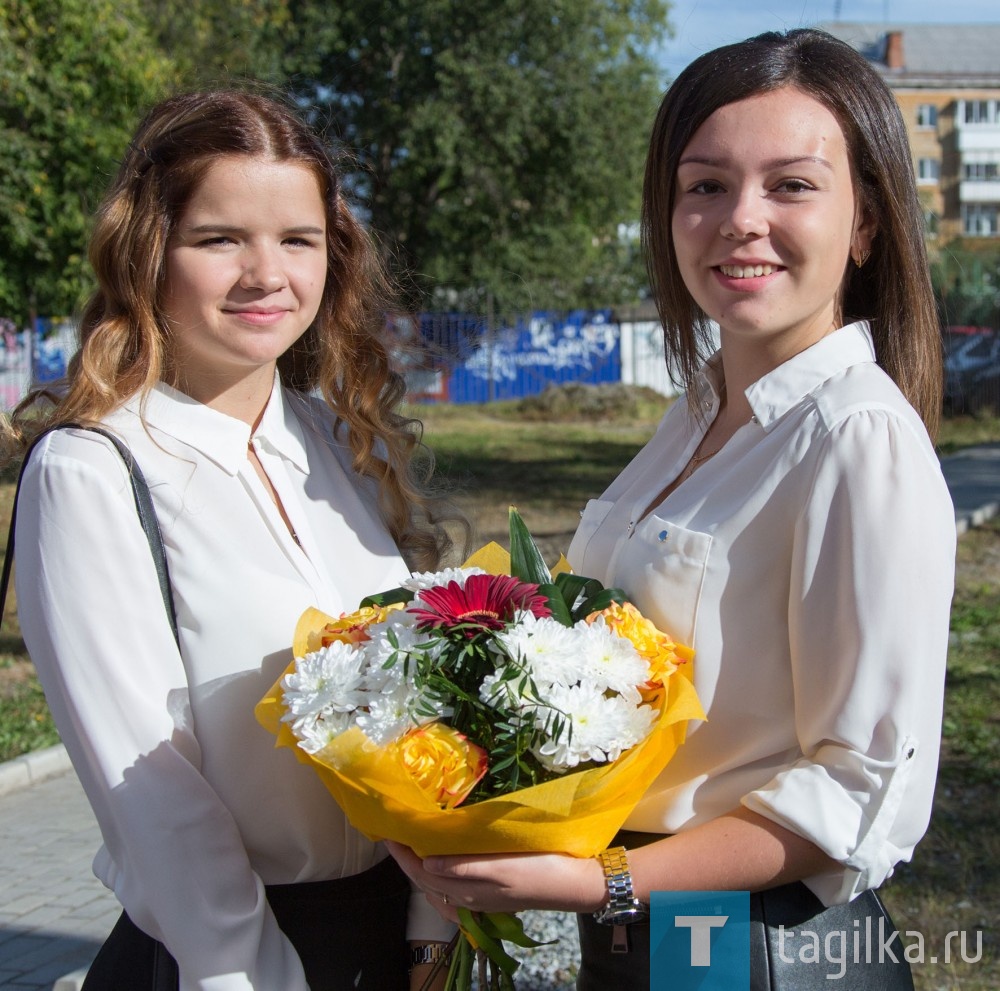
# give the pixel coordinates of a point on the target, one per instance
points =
(772, 395)
(220, 437)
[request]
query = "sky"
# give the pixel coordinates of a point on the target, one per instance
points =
(701, 25)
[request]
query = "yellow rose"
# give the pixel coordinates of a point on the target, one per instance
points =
(661, 653)
(351, 627)
(442, 761)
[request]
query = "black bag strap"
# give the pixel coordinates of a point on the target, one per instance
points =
(143, 505)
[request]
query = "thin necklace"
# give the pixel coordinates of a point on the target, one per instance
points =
(700, 459)
(697, 460)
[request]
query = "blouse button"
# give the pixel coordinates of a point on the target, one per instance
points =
(663, 535)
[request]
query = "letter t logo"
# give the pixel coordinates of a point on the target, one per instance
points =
(701, 927)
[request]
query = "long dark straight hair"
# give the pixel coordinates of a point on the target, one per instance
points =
(893, 290)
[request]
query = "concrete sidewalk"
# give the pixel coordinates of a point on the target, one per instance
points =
(973, 478)
(54, 914)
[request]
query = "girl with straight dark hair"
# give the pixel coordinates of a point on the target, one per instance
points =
(789, 520)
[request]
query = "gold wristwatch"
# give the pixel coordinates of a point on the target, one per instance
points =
(623, 907)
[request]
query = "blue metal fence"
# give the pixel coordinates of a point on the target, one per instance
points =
(449, 357)
(462, 358)
(34, 356)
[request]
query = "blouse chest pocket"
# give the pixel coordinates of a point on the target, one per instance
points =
(663, 568)
(589, 556)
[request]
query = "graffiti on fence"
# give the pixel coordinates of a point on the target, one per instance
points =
(464, 360)
(33, 357)
(461, 358)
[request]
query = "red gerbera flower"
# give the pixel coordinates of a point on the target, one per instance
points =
(488, 602)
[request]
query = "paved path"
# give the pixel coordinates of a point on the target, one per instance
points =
(54, 913)
(974, 480)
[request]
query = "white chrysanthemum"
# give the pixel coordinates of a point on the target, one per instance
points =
(398, 619)
(599, 727)
(379, 649)
(429, 579)
(328, 680)
(395, 703)
(609, 661)
(504, 692)
(317, 730)
(389, 715)
(548, 650)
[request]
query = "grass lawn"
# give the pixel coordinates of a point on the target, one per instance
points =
(499, 455)
(953, 883)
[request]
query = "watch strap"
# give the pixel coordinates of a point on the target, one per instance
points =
(623, 907)
(427, 953)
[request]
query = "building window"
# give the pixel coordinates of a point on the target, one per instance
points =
(980, 219)
(980, 111)
(928, 171)
(931, 221)
(926, 115)
(981, 171)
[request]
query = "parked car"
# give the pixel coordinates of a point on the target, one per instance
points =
(971, 370)
(982, 391)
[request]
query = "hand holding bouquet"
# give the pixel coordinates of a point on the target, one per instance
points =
(479, 712)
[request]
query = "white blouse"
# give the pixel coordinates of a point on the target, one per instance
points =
(197, 808)
(810, 563)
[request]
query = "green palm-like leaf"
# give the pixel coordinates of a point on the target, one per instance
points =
(387, 598)
(526, 562)
(560, 608)
(599, 601)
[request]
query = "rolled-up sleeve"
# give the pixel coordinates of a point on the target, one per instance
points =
(872, 580)
(95, 625)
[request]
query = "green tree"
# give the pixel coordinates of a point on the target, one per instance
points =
(74, 77)
(966, 279)
(215, 42)
(498, 144)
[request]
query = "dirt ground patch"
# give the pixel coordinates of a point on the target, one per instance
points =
(12, 673)
(978, 558)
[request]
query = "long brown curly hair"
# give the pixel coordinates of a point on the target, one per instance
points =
(124, 344)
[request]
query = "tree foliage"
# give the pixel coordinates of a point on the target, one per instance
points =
(218, 42)
(496, 145)
(499, 143)
(966, 278)
(74, 75)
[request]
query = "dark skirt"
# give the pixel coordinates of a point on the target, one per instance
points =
(349, 933)
(775, 960)
(773, 967)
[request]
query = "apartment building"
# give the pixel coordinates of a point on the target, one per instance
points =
(946, 78)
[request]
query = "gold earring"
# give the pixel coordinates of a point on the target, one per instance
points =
(860, 256)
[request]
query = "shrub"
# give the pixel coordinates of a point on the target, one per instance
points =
(576, 401)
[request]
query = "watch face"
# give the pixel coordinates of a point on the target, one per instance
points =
(622, 917)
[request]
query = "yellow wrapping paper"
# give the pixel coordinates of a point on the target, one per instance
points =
(578, 813)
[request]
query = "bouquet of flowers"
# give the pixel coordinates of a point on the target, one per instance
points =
(486, 709)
